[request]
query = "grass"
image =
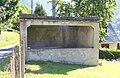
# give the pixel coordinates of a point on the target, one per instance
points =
(36, 69)
(7, 38)
(3, 72)
(40, 69)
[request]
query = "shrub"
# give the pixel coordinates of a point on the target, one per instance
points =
(109, 54)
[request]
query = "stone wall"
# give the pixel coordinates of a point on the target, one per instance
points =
(86, 56)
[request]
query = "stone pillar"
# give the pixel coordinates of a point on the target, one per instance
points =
(96, 42)
(23, 43)
(23, 32)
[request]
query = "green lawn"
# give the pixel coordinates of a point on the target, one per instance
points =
(7, 38)
(40, 69)
(36, 69)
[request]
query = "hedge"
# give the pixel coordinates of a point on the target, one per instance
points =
(109, 54)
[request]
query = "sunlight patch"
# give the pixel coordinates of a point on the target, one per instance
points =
(33, 67)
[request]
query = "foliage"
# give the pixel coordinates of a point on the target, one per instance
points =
(109, 54)
(84, 8)
(40, 10)
(23, 10)
(7, 38)
(65, 9)
(9, 10)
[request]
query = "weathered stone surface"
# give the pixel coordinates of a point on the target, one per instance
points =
(36, 17)
(60, 37)
(85, 56)
(74, 45)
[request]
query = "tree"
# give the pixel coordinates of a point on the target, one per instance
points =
(65, 9)
(9, 10)
(23, 10)
(40, 10)
(13, 21)
(84, 8)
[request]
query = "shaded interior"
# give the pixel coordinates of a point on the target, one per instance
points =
(60, 37)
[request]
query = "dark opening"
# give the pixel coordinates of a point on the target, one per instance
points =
(105, 45)
(118, 45)
(60, 37)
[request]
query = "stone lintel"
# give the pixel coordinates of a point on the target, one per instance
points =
(82, 19)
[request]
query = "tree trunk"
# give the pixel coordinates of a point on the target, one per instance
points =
(53, 7)
(31, 6)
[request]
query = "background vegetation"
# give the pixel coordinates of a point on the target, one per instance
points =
(7, 38)
(86, 8)
(109, 54)
(9, 13)
(40, 10)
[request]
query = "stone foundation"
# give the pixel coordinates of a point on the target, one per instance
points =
(86, 56)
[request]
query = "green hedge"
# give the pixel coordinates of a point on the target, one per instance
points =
(109, 54)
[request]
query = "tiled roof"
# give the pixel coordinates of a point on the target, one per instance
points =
(111, 36)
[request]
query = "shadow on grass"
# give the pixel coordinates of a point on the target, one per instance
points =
(52, 68)
(4, 62)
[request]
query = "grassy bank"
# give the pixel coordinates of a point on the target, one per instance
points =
(7, 38)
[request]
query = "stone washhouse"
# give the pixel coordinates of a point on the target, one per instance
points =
(60, 39)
